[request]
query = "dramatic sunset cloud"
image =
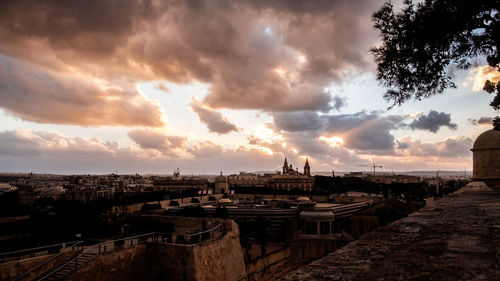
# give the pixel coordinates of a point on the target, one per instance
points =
(150, 86)
(479, 75)
(214, 120)
(235, 46)
(36, 94)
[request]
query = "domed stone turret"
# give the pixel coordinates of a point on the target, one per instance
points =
(221, 184)
(486, 158)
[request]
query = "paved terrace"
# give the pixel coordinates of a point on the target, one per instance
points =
(456, 238)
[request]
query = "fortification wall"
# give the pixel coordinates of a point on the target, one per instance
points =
(220, 259)
(132, 208)
(12, 269)
(457, 238)
(126, 265)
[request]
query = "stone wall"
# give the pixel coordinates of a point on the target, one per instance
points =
(457, 238)
(132, 264)
(307, 250)
(132, 208)
(220, 259)
(12, 269)
(257, 269)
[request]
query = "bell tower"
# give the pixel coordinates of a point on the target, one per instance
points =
(285, 167)
(307, 168)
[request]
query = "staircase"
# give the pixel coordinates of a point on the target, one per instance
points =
(65, 270)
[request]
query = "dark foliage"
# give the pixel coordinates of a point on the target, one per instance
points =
(421, 42)
(10, 205)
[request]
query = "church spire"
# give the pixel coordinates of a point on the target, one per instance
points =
(285, 167)
(307, 168)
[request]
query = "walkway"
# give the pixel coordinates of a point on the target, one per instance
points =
(456, 238)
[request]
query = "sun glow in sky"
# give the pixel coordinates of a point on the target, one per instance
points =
(216, 87)
(333, 141)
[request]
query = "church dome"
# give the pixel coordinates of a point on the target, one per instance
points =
(220, 179)
(487, 140)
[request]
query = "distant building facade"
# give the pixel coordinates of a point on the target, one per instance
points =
(288, 179)
(292, 179)
(388, 179)
(248, 180)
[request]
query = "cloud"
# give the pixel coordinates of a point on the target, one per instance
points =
(339, 102)
(433, 122)
(224, 44)
(363, 130)
(402, 145)
(24, 151)
(299, 121)
(32, 144)
(167, 145)
(214, 120)
(450, 147)
(163, 87)
(481, 121)
(36, 94)
(478, 75)
(206, 149)
(174, 146)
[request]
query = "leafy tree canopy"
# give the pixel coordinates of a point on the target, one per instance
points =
(423, 40)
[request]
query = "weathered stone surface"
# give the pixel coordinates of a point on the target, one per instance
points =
(458, 238)
(220, 259)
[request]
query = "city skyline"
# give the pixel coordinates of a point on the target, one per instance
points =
(212, 86)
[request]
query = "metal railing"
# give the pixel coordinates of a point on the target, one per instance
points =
(75, 245)
(31, 252)
(86, 255)
(98, 249)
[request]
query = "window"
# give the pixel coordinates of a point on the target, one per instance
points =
(311, 227)
(324, 227)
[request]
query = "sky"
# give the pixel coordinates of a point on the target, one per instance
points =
(208, 86)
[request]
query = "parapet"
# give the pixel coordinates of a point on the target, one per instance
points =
(454, 239)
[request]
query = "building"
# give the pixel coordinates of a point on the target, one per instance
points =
(388, 179)
(485, 158)
(289, 171)
(248, 180)
(180, 184)
(221, 184)
(292, 179)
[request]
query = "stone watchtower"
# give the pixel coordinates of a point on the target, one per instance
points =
(221, 184)
(486, 158)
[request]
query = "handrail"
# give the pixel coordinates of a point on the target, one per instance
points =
(36, 248)
(43, 263)
(92, 248)
(205, 231)
(96, 246)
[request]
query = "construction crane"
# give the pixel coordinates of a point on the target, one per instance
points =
(371, 166)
